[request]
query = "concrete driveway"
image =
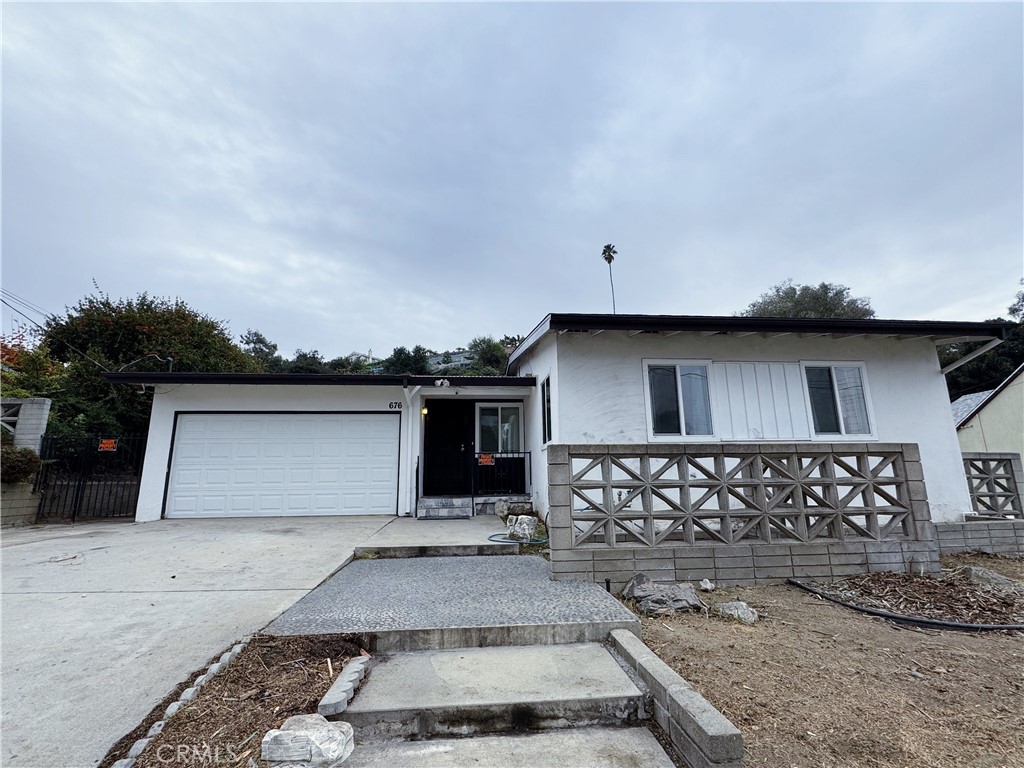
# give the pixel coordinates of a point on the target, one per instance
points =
(102, 620)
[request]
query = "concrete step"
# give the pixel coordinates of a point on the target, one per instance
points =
(492, 690)
(593, 747)
(436, 550)
(444, 508)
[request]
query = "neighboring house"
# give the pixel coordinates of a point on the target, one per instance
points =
(993, 421)
(459, 359)
(655, 436)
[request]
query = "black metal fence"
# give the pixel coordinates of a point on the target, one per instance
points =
(499, 473)
(96, 476)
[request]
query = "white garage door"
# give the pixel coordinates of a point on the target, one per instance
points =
(262, 464)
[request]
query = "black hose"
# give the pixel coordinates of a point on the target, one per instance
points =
(501, 538)
(915, 620)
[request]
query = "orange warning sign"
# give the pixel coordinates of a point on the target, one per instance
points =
(486, 460)
(107, 444)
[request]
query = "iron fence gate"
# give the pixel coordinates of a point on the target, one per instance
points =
(96, 476)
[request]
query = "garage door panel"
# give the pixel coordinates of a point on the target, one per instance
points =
(284, 464)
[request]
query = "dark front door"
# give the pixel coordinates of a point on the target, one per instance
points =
(449, 432)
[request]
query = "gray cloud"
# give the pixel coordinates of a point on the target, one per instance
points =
(364, 176)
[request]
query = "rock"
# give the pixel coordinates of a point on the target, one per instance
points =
(660, 599)
(521, 527)
(706, 585)
(638, 587)
(501, 509)
(737, 609)
(990, 578)
(308, 741)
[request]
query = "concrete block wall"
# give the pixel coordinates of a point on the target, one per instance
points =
(703, 736)
(31, 422)
(1005, 496)
(1004, 537)
(737, 564)
(18, 505)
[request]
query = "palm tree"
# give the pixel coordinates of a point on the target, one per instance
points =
(608, 254)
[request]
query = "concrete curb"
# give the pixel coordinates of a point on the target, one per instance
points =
(187, 695)
(704, 737)
(336, 700)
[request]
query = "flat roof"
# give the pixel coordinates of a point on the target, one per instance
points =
(940, 331)
(333, 379)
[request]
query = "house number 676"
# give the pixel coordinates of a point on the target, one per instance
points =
(395, 405)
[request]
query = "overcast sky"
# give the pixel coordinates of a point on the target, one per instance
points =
(354, 177)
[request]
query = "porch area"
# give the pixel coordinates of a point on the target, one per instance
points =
(472, 456)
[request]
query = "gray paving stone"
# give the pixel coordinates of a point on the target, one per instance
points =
(440, 592)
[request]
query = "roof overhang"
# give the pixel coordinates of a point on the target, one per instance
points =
(319, 379)
(938, 331)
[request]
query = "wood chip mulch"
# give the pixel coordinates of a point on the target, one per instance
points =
(272, 679)
(950, 597)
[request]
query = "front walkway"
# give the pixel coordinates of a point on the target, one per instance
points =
(451, 602)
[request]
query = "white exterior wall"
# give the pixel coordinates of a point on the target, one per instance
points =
(170, 399)
(999, 426)
(225, 397)
(600, 392)
(541, 362)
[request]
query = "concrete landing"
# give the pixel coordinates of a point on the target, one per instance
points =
(455, 602)
(592, 747)
(489, 690)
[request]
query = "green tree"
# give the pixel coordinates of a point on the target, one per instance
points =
(823, 300)
(310, 361)
(139, 334)
(490, 357)
(263, 350)
(412, 362)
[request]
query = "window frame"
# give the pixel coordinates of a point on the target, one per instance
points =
(499, 405)
(545, 411)
(841, 436)
(675, 363)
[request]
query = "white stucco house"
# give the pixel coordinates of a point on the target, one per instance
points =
(635, 432)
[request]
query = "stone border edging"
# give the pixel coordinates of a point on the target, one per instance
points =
(336, 700)
(187, 695)
(704, 737)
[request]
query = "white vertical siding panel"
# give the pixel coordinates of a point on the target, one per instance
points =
(737, 403)
(797, 405)
(765, 396)
(722, 413)
(750, 401)
(781, 403)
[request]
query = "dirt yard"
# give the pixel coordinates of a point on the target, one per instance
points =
(272, 679)
(815, 685)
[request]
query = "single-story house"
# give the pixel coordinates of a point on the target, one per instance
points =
(662, 437)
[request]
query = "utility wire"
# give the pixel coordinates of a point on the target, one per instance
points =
(42, 328)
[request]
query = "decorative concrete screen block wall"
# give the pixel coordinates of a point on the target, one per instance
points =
(737, 513)
(996, 482)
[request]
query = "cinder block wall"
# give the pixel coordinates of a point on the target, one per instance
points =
(1004, 537)
(737, 564)
(18, 505)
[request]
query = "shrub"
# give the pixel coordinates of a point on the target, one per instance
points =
(18, 465)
